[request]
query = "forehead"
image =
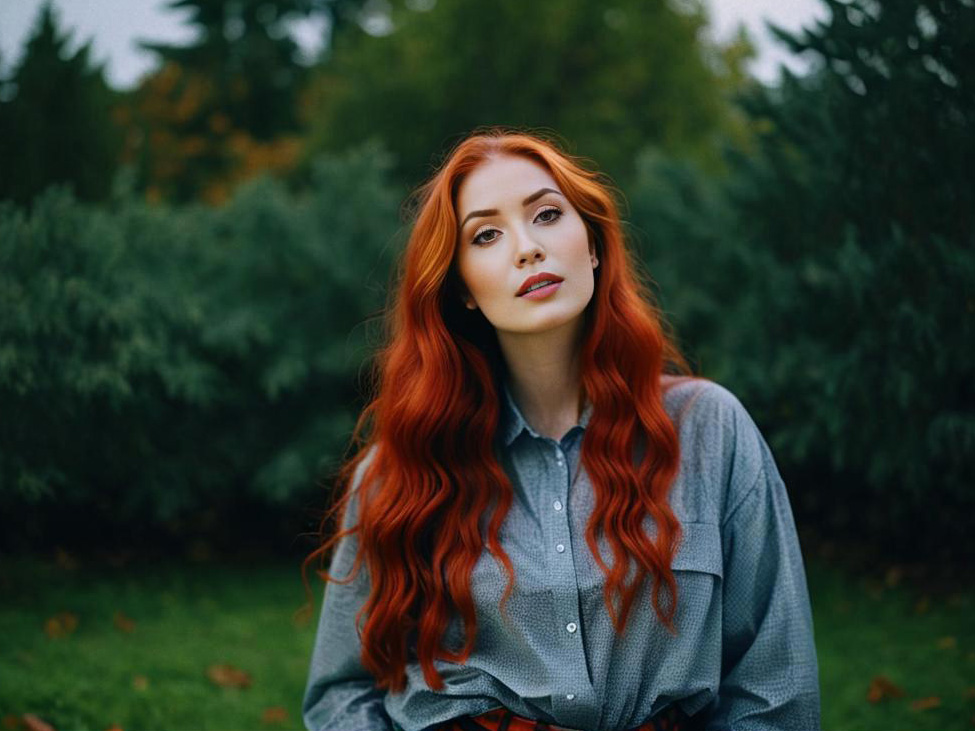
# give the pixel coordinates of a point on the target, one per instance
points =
(502, 181)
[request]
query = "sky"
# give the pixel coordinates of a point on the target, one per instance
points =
(114, 26)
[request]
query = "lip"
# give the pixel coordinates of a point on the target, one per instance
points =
(534, 279)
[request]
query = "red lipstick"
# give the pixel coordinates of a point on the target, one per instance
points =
(536, 279)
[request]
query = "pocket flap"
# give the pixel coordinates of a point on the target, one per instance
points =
(700, 549)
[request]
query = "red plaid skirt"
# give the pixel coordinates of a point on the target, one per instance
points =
(671, 718)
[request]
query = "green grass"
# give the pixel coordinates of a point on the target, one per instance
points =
(189, 617)
(924, 644)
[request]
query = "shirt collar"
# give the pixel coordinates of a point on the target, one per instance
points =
(513, 422)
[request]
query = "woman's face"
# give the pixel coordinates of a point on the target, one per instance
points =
(515, 224)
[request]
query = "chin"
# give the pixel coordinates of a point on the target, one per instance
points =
(545, 324)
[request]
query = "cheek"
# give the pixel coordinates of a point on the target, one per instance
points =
(476, 276)
(581, 248)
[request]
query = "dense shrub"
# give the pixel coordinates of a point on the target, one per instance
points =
(164, 367)
(837, 298)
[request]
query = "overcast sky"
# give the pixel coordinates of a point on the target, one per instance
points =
(115, 25)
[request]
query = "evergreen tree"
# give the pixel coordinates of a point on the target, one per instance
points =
(246, 51)
(226, 106)
(858, 215)
(608, 79)
(55, 119)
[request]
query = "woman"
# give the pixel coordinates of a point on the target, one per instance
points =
(547, 527)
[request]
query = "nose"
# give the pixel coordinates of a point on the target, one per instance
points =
(528, 252)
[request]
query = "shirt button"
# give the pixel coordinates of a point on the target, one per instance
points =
(570, 696)
(560, 548)
(571, 626)
(557, 505)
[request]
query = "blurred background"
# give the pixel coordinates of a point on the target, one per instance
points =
(200, 211)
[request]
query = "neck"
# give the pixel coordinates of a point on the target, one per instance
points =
(543, 375)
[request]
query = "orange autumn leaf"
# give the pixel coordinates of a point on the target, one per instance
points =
(34, 723)
(274, 714)
(923, 704)
(881, 688)
(227, 676)
(114, 727)
(61, 624)
(123, 623)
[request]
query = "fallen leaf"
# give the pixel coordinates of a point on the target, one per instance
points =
(227, 676)
(923, 704)
(140, 682)
(947, 643)
(61, 624)
(881, 688)
(274, 714)
(114, 727)
(34, 723)
(123, 623)
(10, 722)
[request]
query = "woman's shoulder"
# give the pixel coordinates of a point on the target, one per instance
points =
(719, 440)
(701, 402)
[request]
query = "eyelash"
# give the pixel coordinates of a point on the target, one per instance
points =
(556, 209)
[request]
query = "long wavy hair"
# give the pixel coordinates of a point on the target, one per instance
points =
(432, 494)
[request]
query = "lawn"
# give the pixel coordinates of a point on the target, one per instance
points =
(134, 647)
(217, 646)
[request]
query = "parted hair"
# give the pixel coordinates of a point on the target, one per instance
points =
(432, 495)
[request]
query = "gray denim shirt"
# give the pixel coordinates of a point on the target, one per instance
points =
(743, 654)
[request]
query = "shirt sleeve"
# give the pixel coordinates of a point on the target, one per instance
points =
(769, 672)
(341, 694)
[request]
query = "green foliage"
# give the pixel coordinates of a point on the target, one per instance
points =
(838, 297)
(55, 123)
(679, 224)
(609, 79)
(164, 364)
(247, 50)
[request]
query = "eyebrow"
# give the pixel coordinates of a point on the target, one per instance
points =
(494, 211)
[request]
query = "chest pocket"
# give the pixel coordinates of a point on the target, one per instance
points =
(700, 549)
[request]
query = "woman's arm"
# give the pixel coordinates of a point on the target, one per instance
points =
(769, 672)
(341, 694)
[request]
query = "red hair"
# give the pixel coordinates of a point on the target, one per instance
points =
(434, 477)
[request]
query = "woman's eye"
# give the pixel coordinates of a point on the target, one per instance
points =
(479, 239)
(548, 215)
